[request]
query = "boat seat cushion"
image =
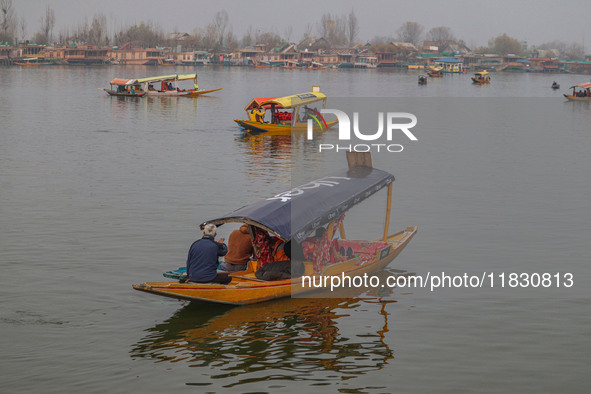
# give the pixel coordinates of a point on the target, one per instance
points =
(350, 248)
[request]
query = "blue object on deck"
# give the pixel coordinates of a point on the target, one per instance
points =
(175, 274)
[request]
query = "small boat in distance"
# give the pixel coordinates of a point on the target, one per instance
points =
(481, 78)
(423, 80)
(581, 92)
(435, 72)
(33, 61)
(295, 217)
(289, 113)
(169, 86)
(125, 88)
(555, 85)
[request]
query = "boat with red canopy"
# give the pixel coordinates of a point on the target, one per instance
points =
(286, 113)
(581, 92)
(125, 88)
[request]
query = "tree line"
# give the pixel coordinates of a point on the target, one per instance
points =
(338, 30)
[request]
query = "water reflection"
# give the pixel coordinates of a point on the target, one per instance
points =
(278, 156)
(289, 339)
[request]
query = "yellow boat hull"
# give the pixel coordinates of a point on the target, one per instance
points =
(245, 288)
(257, 127)
(570, 97)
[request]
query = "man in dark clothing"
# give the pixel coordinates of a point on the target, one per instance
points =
(203, 256)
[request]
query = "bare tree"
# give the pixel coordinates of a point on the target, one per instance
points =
(220, 22)
(352, 28)
(503, 45)
(570, 51)
(209, 38)
(98, 30)
(307, 30)
(230, 40)
(440, 34)
(247, 38)
(574, 51)
(271, 39)
(8, 21)
(47, 24)
(146, 33)
(332, 28)
(410, 32)
(288, 33)
(23, 28)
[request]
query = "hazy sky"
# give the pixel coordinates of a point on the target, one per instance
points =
(474, 21)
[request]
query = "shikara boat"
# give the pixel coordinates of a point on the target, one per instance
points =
(581, 92)
(423, 80)
(555, 85)
(125, 88)
(261, 64)
(290, 113)
(435, 72)
(481, 78)
(169, 86)
(33, 61)
(315, 66)
(293, 216)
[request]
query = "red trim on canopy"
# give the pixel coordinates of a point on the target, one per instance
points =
(256, 103)
(122, 81)
(586, 85)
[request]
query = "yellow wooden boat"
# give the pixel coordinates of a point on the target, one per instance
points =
(435, 72)
(33, 61)
(581, 92)
(481, 78)
(292, 216)
(287, 114)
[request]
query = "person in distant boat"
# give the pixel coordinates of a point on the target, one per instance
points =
(169, 86)
(195, 84)
(202, 260)
(151, 88)
(239, 250)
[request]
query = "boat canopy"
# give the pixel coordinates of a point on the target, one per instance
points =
(173, 77)
(256, 102)
(296, 213)
(122, 81)
(448, 60)
(482, 73)
(296, 100)
(585, 85)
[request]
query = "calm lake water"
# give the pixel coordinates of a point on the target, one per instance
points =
(98, 193)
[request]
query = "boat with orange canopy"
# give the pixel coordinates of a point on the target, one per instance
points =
(125, 88)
